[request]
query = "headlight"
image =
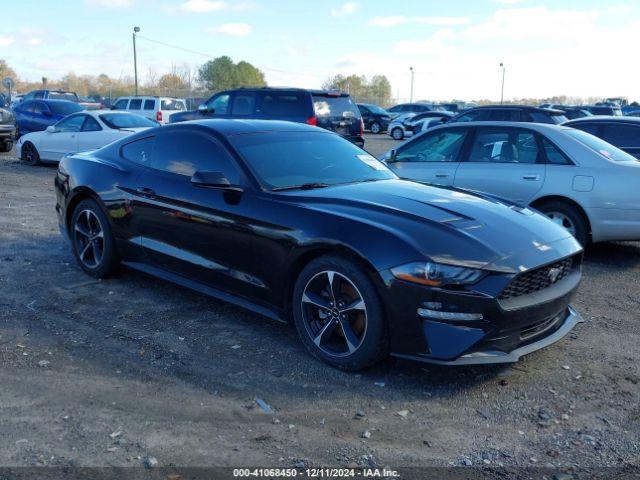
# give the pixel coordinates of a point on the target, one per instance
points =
(437, 274)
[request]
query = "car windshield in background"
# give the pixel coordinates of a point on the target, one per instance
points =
(377, 109)
(65, 108)
(291, 159)
(334, 106)
(63, 96)
(603, 148)
(127, 120)
(170, 104)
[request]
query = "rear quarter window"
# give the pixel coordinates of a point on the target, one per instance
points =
(138, 151)
(171, 104)
(285, 104)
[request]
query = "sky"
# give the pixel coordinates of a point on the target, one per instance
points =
(578, 48)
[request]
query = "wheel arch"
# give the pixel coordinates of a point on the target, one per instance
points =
(303, 258)
(80, 194)
(559, 198)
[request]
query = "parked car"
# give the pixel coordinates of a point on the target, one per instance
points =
(7, 129)
(5, 101)
(604, 109)
(414, 108)
(623, 132)
(375, 118)
(581, 182)
(410, 124)
(154, 108)
(295, 222)
(45, 94)
(633, 113)
(576, 112)
(328, 109)
(80, 132)
(36, 115)
(511, 113)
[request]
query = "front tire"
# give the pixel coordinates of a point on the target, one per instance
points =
(92, 240)
(376, 128)
(338, 314)
(29, 154)
(6, 146)
(568, 217)
(397, 133)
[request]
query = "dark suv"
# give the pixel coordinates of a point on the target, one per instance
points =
(511, 113)
(375, 118)
(331, 110)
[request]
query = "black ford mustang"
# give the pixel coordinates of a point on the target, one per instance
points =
(294, 222)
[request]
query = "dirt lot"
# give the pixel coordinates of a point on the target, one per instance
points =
(109, 373)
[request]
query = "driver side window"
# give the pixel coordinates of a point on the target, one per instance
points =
(439, 146)
(70, 124)
(220, 104)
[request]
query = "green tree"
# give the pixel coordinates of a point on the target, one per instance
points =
(377, 90)
(222, 74)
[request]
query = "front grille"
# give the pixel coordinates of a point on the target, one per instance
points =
(539, 278)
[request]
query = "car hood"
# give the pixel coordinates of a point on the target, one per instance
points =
(449, 225)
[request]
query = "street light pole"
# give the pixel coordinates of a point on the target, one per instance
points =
(135, 58)
(502, 90)
(411, 97)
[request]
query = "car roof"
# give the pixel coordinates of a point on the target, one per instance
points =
(229, 127)
(539, 127)
(312, 91)
(605, 118)
(519, 107)
(51, 101)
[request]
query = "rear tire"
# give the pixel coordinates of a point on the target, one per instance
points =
(29, 154)
(376, 128)
(338, 314)
(568, 217)
(397, 133)
(92, 240)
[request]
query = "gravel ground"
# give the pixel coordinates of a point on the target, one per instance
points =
(109, 373)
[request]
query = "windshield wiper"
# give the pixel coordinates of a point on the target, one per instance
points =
(304, 186)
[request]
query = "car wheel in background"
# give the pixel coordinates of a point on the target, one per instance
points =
(29, 154)
(568, 217)
(6, 146)
(93, 244)
(397, 133)
(338, 314)
(375, 128)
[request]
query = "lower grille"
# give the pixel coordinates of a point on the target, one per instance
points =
(539, 278)
(539, 328)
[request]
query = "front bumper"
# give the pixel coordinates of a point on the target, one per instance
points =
(482, 357)
(7, 132)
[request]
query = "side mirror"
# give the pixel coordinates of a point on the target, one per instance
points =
(50, 129)
(393, 156)
(203, 108)
(204, 178)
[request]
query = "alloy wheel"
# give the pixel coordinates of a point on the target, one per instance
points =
(375, 128)
(88, 236)
(29, 154)
(334, 313)
(563, 220)
(397, 134)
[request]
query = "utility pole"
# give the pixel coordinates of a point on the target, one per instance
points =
(135, 58)
(502, 90)
(411, 96)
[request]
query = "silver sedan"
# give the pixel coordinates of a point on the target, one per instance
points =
(580, 181)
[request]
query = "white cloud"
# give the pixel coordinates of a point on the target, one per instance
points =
(202, 6)
(232, 29)
(6, 41)
(110, 3)
(345, 9)
(395, 20)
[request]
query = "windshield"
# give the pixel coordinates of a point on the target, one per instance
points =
(126, 120)
(290, 159)
(600, 146)
(65, 108)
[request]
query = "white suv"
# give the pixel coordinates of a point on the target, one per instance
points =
(155, 108)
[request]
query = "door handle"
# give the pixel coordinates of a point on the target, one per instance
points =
(442, 175)
(531, 177)
(145, 191)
